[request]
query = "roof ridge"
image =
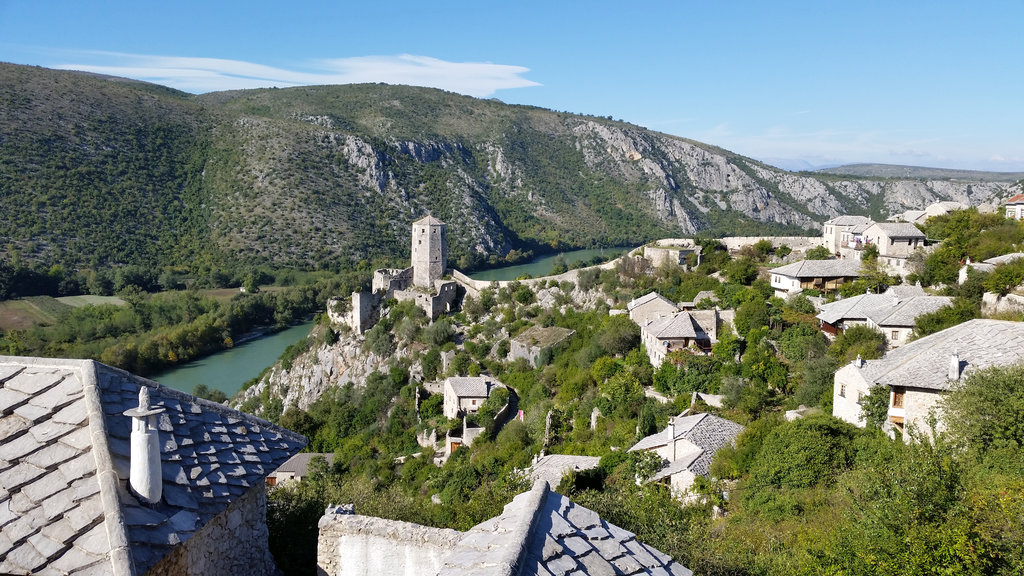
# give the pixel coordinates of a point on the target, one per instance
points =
(106, 475)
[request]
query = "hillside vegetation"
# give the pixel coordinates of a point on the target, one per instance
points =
(98, 171)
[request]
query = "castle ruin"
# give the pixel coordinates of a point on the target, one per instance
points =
(421, 283)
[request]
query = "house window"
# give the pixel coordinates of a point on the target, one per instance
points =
(842, 390)
(474, 402)
(895, 334)
(897, 397)
(860, 397)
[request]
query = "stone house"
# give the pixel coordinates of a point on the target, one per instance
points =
(465, 394)
(837, 231)
(933, 209)
(919, 373)
(1015, 207)
(537, 343)
(823, 275)
(986, 265)
(103, 472)
(686, 447)
(893, 312)
(894, 239)
(539, 532)
(650, 307)
(696, 330)
(296, 468)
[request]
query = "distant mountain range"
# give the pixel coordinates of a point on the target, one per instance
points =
(98, 170)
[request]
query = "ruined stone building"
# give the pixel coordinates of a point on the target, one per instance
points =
(103, 472)
(422, 282)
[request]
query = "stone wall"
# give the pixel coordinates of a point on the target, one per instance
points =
(794, 242)
(233, 542)
(352, 544)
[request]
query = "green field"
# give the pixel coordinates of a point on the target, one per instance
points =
(31, 311)
(78, 301)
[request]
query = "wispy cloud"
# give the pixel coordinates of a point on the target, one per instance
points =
(200, 75)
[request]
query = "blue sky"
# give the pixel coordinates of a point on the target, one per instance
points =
(923, 83)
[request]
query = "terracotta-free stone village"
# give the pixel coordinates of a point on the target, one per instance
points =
(104, 472)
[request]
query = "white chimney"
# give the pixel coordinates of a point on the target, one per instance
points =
(145, 475)
(859, 362)
(954, 367)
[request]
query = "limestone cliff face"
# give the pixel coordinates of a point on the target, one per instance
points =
(316, 370)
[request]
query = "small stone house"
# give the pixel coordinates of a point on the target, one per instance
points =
(822, 275)
(894, 239)
(539, 532)
(296, 468)
(537, 343)
(465, 394)
(686, 447)
(650, 307)
(103, 472)
(696, 330)
(986, 265)
(919, 373)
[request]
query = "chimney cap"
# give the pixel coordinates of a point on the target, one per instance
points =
(144, 408)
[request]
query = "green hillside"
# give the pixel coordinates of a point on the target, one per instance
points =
(99, 172)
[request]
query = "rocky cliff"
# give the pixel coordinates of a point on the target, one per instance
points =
(330, 175)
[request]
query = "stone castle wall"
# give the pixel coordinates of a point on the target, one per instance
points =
(351, 544)
(233, 542)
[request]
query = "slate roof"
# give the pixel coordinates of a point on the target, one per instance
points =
(882, 309)
(845, 268)
(544, 533)
(1004, 258)
(299, 464)
(472, 386)
(706, 431)
(429, 221)
(678, 325)
(899, 230)
(924, 363)
(647, 298)
(64, 459)
(552, 467)
(849, 220)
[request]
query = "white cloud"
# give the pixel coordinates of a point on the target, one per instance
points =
(197, 75)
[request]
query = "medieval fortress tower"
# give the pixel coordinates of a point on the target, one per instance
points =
(422, 282)
(429, 251)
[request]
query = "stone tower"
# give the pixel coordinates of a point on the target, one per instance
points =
(429, 251)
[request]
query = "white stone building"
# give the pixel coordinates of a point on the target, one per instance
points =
(822, 275)
(696, 330)
(296, 468)
(836, 231)
(919, 373)
(893, 312)
(103, 472)
(465, 394)
(986, 265)
(687, 446)
(650, 306)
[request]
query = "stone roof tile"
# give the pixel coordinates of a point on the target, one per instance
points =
(542, 532)
(50, 451)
